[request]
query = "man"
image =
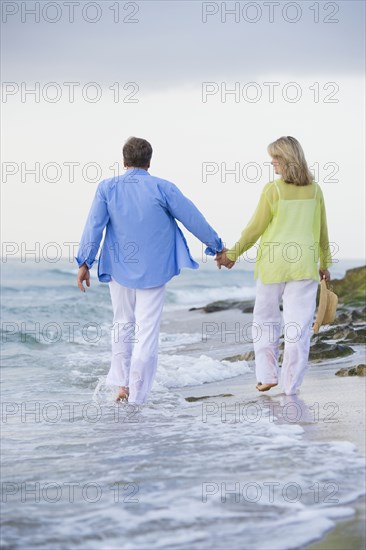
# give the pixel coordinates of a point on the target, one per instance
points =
(142, 250)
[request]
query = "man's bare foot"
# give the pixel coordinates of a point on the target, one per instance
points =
(265, 387)
(122, 394)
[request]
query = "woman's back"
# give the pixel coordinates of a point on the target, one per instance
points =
(288, 249)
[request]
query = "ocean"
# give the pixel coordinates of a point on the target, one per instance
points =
(81, 472)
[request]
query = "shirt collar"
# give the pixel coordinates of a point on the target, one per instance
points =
(136, 171)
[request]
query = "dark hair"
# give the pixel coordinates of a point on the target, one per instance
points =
(137, 152)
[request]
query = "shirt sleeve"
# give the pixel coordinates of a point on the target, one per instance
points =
(181, 208)
(324, 249)
(93, 231)
(255, 228)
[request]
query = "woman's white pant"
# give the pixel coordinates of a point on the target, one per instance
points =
(299, 299)
(135, 338)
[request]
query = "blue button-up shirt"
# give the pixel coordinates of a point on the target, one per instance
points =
(143, 246)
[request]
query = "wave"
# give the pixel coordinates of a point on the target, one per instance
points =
(200, 296)
(177, 371)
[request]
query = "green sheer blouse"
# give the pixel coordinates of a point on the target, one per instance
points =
(267, 220)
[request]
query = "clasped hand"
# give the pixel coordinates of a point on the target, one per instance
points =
(222, 260)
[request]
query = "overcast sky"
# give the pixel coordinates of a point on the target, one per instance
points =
(302, 78)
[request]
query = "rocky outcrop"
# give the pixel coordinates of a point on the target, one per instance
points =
(348, 316)
(222, 305)
(351, 290)
(359, 370)
(348, 329)
(321, 351)
(345, 334)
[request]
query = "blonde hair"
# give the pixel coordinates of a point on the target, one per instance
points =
(292, 163)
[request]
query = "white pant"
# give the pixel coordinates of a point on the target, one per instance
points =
(135, 338)
(298, 313)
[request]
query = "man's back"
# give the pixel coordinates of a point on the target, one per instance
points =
(142, 250)
(143, 246)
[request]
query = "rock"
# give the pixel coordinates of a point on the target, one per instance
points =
(335, 333)
(248, 356)
(222, 305)
(359, 315)
(343, 318)
(342, 372)
(360, 370)
(193, 399)
(355, 336)
(345, 334)
(351, 316)
(320, 351)
(351, 290)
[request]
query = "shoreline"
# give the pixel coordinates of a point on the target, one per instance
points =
(331, 408)
(348, 532)
(328, 407)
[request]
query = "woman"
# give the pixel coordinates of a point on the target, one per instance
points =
(291, 221)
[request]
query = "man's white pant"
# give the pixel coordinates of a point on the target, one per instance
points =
(135, 338)
(298, 312)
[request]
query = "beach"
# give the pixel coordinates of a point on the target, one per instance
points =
(343, 398)
(346, 419)
(339, 414)
(208, 462)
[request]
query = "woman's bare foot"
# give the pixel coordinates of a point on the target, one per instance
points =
(264, 387)
(122, 394)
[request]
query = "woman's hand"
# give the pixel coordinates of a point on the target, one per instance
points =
(83, 275)
(324, 274)
(222, 260)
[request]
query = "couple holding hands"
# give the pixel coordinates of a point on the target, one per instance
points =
(144, 248)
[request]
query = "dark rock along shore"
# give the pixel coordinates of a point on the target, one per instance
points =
(348, 329)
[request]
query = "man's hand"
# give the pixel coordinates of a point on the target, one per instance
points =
(222, 260)
(324, 274)
(83, 275)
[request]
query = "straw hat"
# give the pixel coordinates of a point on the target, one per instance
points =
(327, 307)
